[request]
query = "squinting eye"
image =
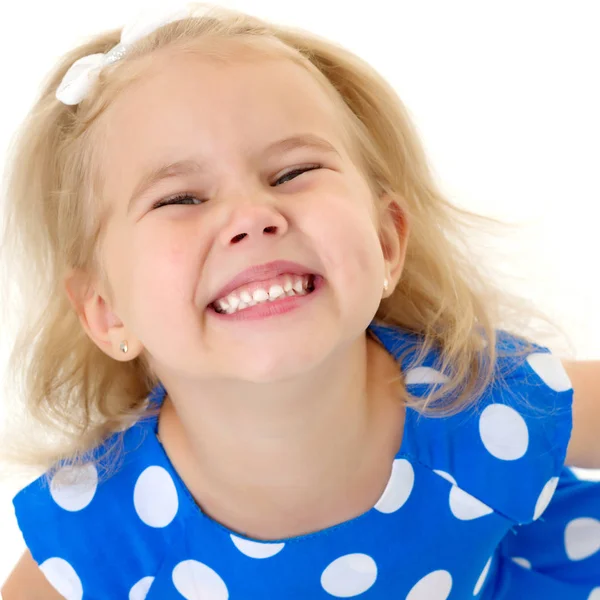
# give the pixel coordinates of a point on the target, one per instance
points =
(296, 172)
(179, 199)
(175, 200)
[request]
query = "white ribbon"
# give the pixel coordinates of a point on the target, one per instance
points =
(84, 72)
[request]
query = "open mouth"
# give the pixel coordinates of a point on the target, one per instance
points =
(273, 290)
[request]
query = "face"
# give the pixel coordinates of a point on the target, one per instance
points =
(241, 207)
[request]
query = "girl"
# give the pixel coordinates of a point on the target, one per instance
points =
(273, 369)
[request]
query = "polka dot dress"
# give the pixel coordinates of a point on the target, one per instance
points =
(478, 505)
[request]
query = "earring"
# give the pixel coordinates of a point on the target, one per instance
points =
(386, 284)
(123, 346)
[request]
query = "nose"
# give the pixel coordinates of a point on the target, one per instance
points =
(253, 221)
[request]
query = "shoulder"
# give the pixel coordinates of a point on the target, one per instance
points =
(508, 447)
(27, 581)
(103, 527)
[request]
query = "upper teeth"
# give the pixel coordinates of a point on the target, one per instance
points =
(292, 285)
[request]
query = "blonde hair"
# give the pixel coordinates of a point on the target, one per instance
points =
(52, 224)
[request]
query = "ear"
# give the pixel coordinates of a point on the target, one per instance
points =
(394, 240)
(102, 325)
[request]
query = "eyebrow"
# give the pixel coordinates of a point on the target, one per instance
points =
(190, 166)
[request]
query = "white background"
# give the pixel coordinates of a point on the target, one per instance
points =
(504, 94)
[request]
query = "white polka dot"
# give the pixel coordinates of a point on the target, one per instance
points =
(550, 370)
(399, 487)
(586, 474)
(140, 590)
(503, 432)
(155, 497)
(464, 506)
(257, 549)
(195, 581)
(424, 375)
(523, 562)
(446, 476)
(542, 502)
(349, 575)
(595, 595)
(482, 577)
(582, 538)
(435, 586)
(63, 577)
(73, 488)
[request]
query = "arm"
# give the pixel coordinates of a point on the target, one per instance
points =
(584, 447)
(27, 582)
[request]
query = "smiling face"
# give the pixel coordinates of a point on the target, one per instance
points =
(245, 203)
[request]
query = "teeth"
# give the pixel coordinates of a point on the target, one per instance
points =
(275, 292)
(260, 296)
(297, 286)
(223, 305)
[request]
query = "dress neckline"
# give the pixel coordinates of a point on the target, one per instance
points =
(386, 335)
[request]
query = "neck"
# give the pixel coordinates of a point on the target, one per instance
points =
(286, 447)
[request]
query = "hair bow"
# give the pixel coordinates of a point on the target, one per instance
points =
(83, 73)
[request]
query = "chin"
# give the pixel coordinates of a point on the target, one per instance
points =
(274, 367)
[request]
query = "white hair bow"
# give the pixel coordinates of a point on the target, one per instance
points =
(83, 73)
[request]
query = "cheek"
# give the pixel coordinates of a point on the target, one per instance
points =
(347, 235)
(163, 268)
(170, 247)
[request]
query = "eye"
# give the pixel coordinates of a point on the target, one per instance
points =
(296, 172)
(175, 200)
(180, 198)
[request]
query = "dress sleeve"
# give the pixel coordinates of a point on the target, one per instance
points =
(507, 450)
(86, 532)
(564, 544)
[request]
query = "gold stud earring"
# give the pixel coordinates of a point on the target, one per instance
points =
(386, 284)
(123, 346)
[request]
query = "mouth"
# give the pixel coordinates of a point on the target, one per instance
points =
(272, 292)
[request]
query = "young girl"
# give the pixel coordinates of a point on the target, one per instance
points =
(272, 369)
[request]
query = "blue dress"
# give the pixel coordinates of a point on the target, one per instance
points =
(461, 516)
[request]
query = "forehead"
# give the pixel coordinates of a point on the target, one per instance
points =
(192, 104)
